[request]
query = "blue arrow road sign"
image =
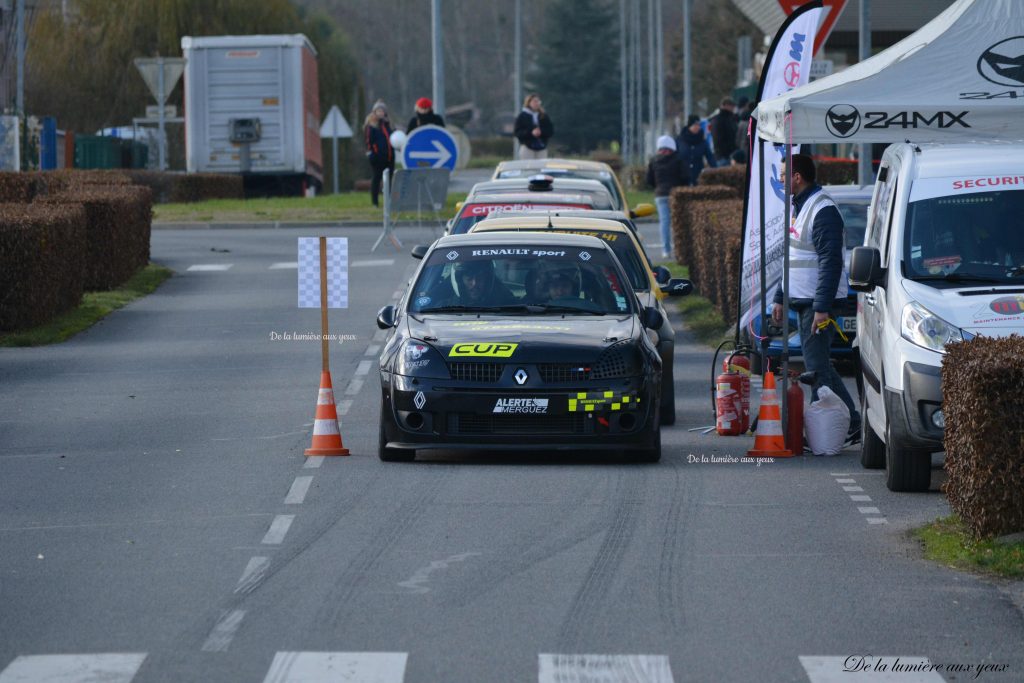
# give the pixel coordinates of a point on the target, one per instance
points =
(430, 147)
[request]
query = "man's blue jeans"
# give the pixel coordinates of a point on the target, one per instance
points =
(665, 220)
(817, 350)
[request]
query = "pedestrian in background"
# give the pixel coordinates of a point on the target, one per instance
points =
(425, 115)
(723, 125)
(692, 145)
(746, 108)
(666, 171)
(377, 132)
(533, 129)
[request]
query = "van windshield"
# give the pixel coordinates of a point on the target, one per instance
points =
(978, 236)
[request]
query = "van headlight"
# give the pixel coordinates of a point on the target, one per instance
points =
(927, 330)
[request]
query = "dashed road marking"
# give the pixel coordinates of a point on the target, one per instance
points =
(313, 461)
(379, 335)
(344, 406)
(298, 491)
(371, 263)
(209, 267)
(877, 520)
(842, 670)
(846, 481)
(593, 668)
(224, 631)
(278, 528)
(285, 265)
(337, 667)
(373, 349)
(868, 510)
(852, 489)
(363, 367)
(861, 499)
(253, 574)
(353, 387)
(119, 667)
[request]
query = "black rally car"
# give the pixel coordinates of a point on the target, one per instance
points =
(519, 341)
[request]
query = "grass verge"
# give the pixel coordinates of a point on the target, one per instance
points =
(347, 206)
(94, 306)
(948, 542)
(699, 314)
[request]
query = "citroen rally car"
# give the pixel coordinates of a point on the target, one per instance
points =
(520, 341)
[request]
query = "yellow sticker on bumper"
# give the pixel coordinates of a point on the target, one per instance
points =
(603, 400)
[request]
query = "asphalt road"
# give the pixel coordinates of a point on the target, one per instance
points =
(158, 521)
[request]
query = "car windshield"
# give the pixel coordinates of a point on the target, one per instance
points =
(472, 214)
(521, 279)
(604, 177)
(978, 236)
(625, 251)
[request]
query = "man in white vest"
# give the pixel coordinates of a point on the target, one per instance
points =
(817, 279)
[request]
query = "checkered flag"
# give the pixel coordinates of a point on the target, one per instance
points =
(309, 272)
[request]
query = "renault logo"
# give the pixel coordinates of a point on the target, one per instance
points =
(521, 376)
(842, 120)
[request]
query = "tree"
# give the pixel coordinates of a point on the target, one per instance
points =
(577, 72)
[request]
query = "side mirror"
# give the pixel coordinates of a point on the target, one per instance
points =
(386, 318)
(866, 270)
(641, 210)
(458, 207)
(662, 274)
(677, 286)
(419, 251)
(651, 318)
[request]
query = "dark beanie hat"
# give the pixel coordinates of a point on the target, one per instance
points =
(692, 119)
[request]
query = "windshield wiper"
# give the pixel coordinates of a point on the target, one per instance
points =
(458, 308)
(561, 308)
(956, 277)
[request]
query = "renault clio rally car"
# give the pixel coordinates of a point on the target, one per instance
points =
(519, 341)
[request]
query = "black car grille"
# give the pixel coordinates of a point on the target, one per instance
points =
(475, 372)
(552, 373)
(471, 423)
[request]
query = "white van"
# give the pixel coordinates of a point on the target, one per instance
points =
(943, 261)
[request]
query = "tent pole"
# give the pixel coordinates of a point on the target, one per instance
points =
(784, 398)
(864, 157)
(762, 331)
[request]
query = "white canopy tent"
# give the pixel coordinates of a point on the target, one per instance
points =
(958, 78)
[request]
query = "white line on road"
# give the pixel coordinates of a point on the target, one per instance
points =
(877, 520)
(224, 631)
(416, 584)
(353, 387)
(373, 349)
(313, 462)
(839, 474)
(379, 335)
(298, 491)
(253, 574)
(842, 670)
(363, 367)
(209, 267)
(343, 406)
(285, 265)
(377, 262)
(278, 528)
(846, 481)
(868, 510)
(587, 668)
(861, 499)
(337, 667)
(119, 667)
(852, 489)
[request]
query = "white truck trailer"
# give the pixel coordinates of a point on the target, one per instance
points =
(252, 106)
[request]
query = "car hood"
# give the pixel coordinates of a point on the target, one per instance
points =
(539, 338)
(993, 312)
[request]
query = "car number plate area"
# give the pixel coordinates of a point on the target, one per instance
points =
(523, 405)
(848, 324)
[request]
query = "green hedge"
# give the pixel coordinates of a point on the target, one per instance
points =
(984, 434)
(117, 228)
(42, 262)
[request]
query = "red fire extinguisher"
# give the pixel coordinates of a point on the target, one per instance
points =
(729, 404)
(741, 365)
(795, 417)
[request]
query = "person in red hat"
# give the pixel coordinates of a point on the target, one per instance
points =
(424, 115)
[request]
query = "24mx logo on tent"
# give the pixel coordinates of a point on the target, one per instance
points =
(843, 120)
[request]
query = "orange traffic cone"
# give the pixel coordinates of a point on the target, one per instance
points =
(326, 435)
(769, 442)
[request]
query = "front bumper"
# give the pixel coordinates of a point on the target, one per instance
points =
(910, 411)
(418, 413)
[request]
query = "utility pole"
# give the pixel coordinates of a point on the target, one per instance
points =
(20, 93)
(864, 158)
(517, 65)
(624, 151)
(652, 107)
(660, 43)
(438, 54)
(687, 72)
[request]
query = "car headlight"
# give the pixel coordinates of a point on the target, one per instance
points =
(927, 330)
(420, 359)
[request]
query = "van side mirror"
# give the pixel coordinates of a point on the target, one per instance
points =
(386, 318)
(677, 286)
(866, 270)
(651, 318)
(419, 251)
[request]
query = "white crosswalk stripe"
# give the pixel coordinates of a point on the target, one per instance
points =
(555, 668)
(106, 667)
(856, 669)
(337, 667)
(209, 267)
